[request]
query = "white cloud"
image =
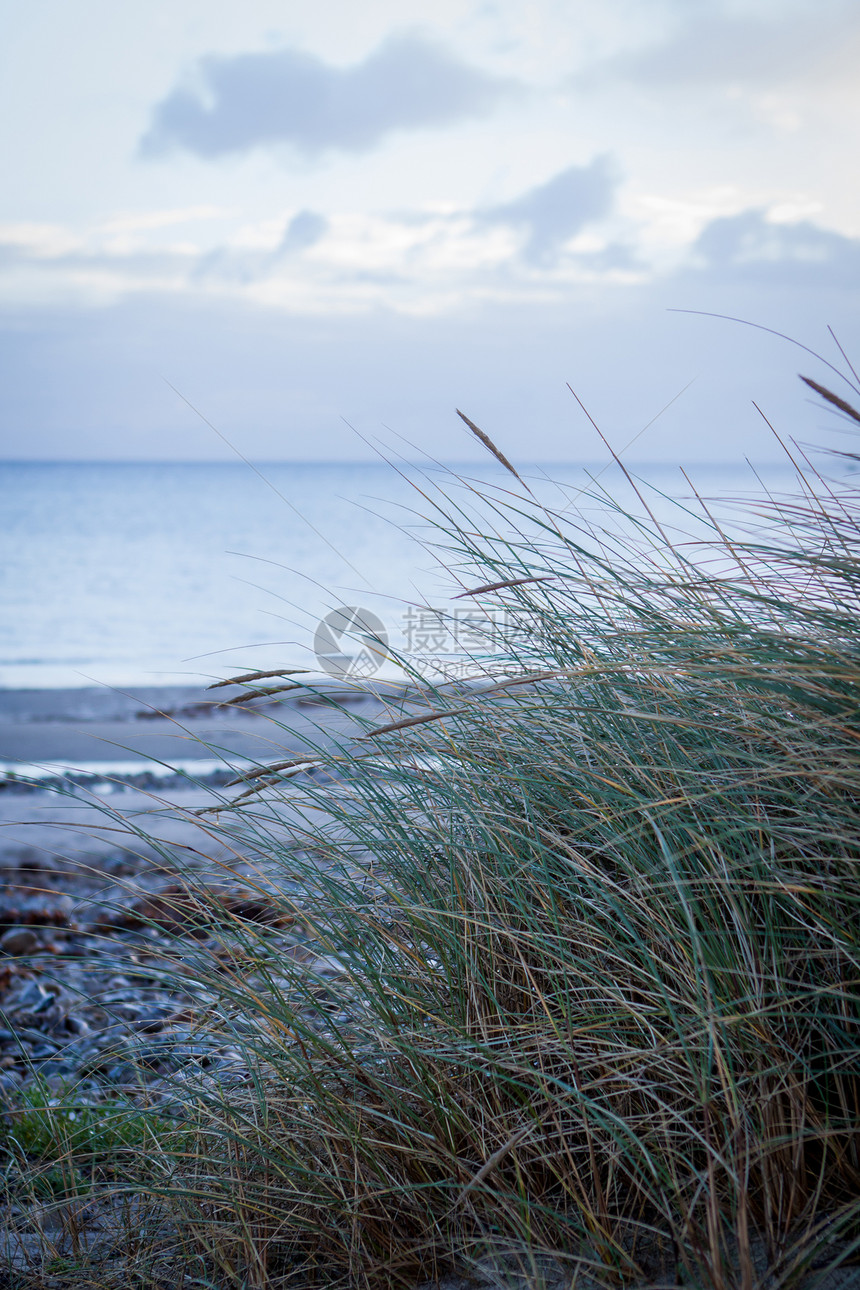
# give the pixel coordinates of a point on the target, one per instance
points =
(144, 221)
(39, 241)
(414, 261)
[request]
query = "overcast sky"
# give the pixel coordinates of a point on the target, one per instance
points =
(328, 224)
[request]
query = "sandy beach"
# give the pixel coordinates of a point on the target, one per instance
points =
(104, 858)
(75, 764)
(171, 724)
(108, 872)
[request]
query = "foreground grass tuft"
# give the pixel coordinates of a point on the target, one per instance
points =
(598, 933)
(586, 992)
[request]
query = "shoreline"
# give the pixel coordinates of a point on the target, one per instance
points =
(102, 732)
(150, 755)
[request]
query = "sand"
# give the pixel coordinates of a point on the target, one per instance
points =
(173, 723)
(120, 748)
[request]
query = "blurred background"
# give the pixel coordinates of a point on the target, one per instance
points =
(300, 234)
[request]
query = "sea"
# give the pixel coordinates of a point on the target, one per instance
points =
(123, 574)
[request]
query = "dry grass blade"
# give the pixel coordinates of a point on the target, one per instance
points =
(256, 788)
(246, 677)
(837, 402)
(275, 767)
(406, 722)
(266, 692)
(494, 1161)
(296, 764)
(508, 582)
(529, 678)
(491, 447)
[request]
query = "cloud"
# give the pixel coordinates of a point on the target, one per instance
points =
(303, 231)
(752, 248)
(429, 261)
(749, 50)
(242, 266)
(556, 211)
(290, 97)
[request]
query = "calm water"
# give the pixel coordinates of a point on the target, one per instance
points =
(127, 574)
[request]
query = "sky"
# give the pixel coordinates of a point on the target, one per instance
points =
(300, 232)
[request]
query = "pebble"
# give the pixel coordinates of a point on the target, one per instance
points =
(30, 1035)
(18, 940)
(43, 1050)
(97, 1011)
(124, 1073)
(76, 1025)
(33, 998)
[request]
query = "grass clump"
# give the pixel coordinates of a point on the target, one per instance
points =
(47, 1124)
(594, 922)
(580, 989)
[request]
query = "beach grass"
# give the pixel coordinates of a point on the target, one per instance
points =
(581, 995)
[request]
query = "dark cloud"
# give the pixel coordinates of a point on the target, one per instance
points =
(553, 212)
(749, 247)
(290, 97)
(304, 230)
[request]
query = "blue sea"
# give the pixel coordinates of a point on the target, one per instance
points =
(127, 574)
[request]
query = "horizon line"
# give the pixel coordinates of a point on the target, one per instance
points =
(332, 461)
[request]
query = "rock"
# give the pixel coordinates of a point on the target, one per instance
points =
(126, 1011)
(76, 1025)
(55, 1068)
(149, 1026)
(34, 998)
(43, 1050)
(32, 1036)
(123, 1073)
(18, 940)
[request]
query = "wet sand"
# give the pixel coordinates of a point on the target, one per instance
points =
(76, 764)
(170, 724)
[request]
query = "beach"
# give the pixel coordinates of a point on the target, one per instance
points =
(125, 731)
(105, 858)
(76, 763)
(108, 872)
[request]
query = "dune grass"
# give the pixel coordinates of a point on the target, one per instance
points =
(586, 992)
(595, 923)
